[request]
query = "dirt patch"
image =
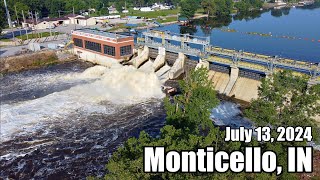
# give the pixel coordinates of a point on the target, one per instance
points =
(33, 60)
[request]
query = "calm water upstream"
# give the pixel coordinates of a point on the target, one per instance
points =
(295, 32)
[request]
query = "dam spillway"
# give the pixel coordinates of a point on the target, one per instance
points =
(245, 60)
(244, 85)
(233, 73)
(169, 55)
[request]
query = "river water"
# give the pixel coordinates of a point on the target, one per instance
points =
(64, 121)
(295, 32)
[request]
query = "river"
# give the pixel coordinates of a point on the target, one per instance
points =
(63, 121)
(295, 32)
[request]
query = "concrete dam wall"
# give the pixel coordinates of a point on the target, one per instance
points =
(231, 81)
(234, 82)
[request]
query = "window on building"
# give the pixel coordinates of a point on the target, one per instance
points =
(110, 50)
(125, 50)
(93, 46)
(78, 42)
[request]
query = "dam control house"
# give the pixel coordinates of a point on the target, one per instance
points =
(99, 46)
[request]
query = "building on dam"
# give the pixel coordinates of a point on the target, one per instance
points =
(99, 47)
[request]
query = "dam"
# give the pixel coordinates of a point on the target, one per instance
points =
(233, 73)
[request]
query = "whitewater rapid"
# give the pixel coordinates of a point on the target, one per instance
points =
(119, 85)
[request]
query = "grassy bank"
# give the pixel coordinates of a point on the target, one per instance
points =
(152, 14)
(37, 35)
(30, 61)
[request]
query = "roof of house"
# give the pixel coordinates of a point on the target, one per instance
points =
(71, 15)
(85, 18)
(53, 19)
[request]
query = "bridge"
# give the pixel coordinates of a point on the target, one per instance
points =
(197, 46)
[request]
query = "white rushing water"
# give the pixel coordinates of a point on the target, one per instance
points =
(229, 114)
(121, 85)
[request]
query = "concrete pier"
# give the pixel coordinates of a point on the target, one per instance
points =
(232, 80)
(219, 79)
(245, 89)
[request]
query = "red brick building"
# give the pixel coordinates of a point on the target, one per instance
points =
(109, 45)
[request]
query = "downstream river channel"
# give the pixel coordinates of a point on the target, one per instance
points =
(64, 121)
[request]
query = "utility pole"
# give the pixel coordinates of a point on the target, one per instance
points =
(75, 23)
(8, 14)
(8, 17)
(15, 9)
(24, 20)
(30, 14)
(50, 28)
(36, 16)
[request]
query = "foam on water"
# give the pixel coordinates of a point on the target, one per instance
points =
(117, 85)
(229, 114)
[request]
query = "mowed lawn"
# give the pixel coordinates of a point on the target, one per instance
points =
(37, 35)
(152, 14)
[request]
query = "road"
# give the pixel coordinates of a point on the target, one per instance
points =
(13, 50)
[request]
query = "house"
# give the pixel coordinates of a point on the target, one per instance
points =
(161, 6)
(73, 17)
(46, 23)
(112, 10)
(86, 21)
(146, 9)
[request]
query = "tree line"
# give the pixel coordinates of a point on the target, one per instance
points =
(218, 8)
(55, 8)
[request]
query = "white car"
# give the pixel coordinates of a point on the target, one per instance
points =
(61, 45)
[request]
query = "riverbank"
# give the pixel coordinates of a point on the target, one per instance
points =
(288, 5)
(34, 60)
(197, 16)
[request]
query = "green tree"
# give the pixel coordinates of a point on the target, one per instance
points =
(188, 8)
(78, 5)
(54, 6)
(208, 6)
(220, 8)
(104, 11)
(2, 17)
(248, 5)
(197, 99)
(119, 5)
(285, 100)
